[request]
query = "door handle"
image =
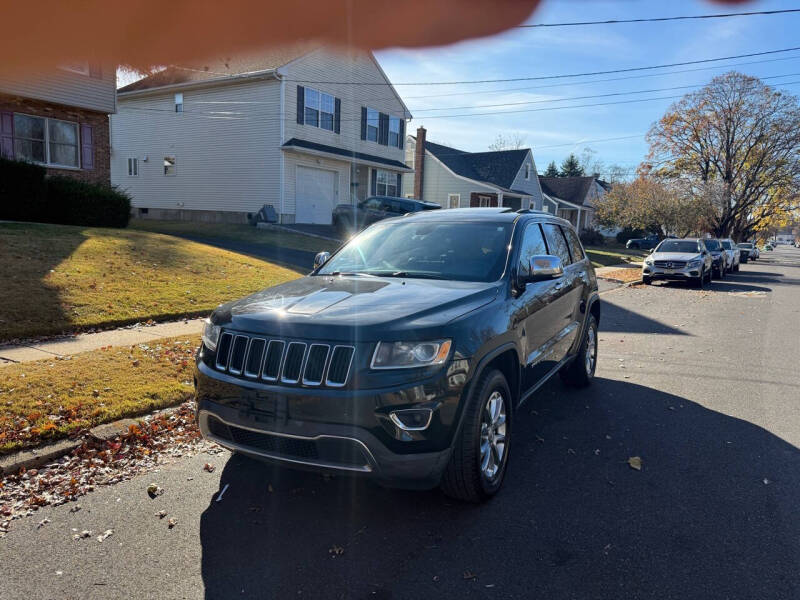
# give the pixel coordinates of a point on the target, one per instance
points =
(559, 285)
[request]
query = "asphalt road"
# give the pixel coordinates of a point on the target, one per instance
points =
(704, 386)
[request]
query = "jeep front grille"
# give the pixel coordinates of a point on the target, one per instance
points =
(285, 361)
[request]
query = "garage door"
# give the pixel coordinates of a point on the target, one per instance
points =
(314, 195)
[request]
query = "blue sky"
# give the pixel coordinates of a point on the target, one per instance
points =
(553, 134)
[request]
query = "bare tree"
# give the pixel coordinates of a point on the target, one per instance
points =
(736, 142)
(508, 141)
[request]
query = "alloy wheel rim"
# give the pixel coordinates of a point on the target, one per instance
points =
(591, 351)
(493, 436)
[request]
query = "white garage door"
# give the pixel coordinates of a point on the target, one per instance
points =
(314, 195)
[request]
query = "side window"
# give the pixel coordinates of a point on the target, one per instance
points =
(532, 245)
(373, 203)
(575, 247)
(556, 243)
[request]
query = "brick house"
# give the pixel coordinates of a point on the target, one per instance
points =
(60, 119)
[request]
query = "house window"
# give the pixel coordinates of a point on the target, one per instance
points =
(169, 165)
(133, 167)
(47, 141)
(545, 207)
(179, 102)
(484, 201)
(319, 109)
(394, 132)
(387, 183)
(373, 123)
(453, 200)
(527, 171)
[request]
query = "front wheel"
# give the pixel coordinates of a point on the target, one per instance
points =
(480, 452)
(580, 372)
(647, 280)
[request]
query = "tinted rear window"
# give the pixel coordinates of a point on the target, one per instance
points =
(574, 244)
(712, 244)
(556, 243)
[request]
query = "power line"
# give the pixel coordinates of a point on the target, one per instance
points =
(593, 81)
(667, 89)
(662, 19)
(545, 77)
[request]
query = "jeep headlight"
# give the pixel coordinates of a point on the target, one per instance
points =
(404, 355)
(211, 334)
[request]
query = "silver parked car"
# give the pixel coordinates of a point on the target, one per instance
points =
(747, 251)
(732, 254)
(679, 260)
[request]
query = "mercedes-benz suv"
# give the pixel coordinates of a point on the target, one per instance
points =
(405, 354)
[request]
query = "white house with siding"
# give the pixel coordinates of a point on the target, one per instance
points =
(454, 178)
(301, 129)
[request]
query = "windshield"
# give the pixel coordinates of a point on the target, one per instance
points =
(712, 244)
(746, 246)
(727, 245)
(466, 251)
(682, 246)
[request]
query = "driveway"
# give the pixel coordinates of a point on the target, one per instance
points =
(300, 260)
(702, 385)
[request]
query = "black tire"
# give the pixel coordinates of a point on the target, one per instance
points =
(647, 280)
(464, 478)
(580, 372)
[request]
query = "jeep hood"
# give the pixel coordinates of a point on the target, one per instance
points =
(357, 307)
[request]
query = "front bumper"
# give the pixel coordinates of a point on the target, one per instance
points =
(343, 431)
(683, 274)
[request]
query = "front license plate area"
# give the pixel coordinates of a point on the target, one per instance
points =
(270, 409)
(669, 271)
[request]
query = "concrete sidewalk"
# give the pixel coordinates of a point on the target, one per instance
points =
(10, 354)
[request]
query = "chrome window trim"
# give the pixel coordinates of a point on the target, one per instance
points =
(324, 364)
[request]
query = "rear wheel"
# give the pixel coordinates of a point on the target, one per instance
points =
(580, 372)
(647, 280)
(480, 452)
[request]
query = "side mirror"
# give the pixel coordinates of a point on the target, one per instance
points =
(320, 259)
(541, 268)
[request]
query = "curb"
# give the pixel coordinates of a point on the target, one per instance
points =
(36, 457)
(276, 227)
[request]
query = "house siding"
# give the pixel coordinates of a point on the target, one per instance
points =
(226, 145)
(292, 160)
(531, 185)
(439, 183)
(65, 88)
(353, 70)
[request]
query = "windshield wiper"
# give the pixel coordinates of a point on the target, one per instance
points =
(347, 274)
(406, 274)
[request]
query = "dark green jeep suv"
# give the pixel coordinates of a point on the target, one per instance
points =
(404, 355)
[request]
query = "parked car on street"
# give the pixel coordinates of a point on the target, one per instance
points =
(746, 251)
(679, 260)
(404, 356)
(768, 247)
(349, 218)
(719, 259)
(732, 254)
(645, 243)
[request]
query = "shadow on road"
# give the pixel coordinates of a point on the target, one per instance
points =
(712, 514)
(618, 319)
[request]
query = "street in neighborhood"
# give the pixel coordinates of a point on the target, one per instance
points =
(676, 475)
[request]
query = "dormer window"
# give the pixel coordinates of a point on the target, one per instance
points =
(179, 102)
(527, 171)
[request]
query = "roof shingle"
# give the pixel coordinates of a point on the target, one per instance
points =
(498, 168)
(571, 189)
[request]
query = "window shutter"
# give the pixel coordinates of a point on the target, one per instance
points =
(402, 140)
(399, 184)
(95, 70)
(7, 135)
(337, 116)
(301, 104)
(373, 186)
(363, 122)
(87, 147)
(383, 129)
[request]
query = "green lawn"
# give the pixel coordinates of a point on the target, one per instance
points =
(239, 233)
(49, 399)
(605, 256)
(58, 278)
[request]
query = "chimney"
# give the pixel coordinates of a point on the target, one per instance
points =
(419, 163)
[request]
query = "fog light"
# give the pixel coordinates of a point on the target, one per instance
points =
(413, 419)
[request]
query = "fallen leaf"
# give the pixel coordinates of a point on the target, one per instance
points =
(42, 523)
(635, 462)
(105, 535)
(161, 514)
(171, 523)
(469, 575)
(153, 490)
(209, 467)
(766, 481)
(335, 551)
(82, 535)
